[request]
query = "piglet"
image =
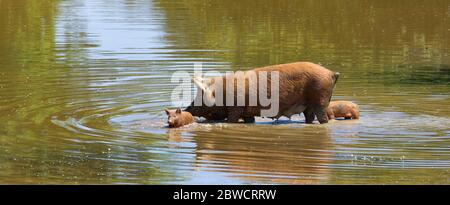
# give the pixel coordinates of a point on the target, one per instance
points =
(340, 108)
(178, 118)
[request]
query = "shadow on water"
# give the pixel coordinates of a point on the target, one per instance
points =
(440, 75)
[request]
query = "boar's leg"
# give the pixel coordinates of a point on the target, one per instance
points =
(309, 115)
(321, 114)
(234, 114)
(249, 119)
(330, 114)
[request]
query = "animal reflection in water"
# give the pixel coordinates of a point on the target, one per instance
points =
(294, 155)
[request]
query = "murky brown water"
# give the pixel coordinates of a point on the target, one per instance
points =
(83, 85)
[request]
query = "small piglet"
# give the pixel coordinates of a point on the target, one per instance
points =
(341, 108)
(178, 118)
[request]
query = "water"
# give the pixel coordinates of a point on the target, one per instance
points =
(83, 85)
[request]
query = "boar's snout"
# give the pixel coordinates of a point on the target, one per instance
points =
(188, 109)
(191, 110)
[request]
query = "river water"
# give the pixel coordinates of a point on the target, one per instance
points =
(83, 86)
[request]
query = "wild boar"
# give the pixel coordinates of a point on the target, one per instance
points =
(340, 108)
(178, 118)
(303, 87)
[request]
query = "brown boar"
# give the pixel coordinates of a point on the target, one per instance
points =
(345, 109)
(303, 88)
(178, 118)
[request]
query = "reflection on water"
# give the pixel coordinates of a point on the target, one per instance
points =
(83, 85)
(299, 155)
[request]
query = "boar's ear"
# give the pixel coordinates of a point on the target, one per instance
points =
(167, 111)
(208, 97)
(199, 82)
(178, 111)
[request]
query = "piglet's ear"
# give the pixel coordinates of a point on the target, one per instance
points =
(167, 111)
(178, 111)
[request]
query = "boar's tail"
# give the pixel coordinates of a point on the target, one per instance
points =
(335, 78)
